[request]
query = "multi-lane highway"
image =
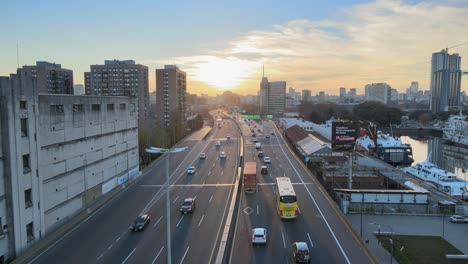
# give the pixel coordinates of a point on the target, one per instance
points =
(105, 236)
(319, 223)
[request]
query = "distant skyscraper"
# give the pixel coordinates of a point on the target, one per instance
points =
(78, 89)
(292, 92)
(445, 81)
(171, 88)
(306, 94)
(380, 92)
(50, 77)
(342, 94)
(121, 78)
(272, 97)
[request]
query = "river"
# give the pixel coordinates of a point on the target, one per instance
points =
(449, 157)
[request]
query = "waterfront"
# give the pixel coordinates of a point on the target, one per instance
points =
(449, 157)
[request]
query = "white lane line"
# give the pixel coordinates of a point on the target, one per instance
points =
(159, 253)
(180, 220)
(209, 173)
(318, 208)
(199, 223)
(284, 242)
(117, 240)
(310, 240)
(204, 181)
(184, 255)
(257, 209)
(299, 209)
(157, 222)
(195, 197)
(210, 199)
(125, 260)
(100, 256)
(109, 247)
(175, 199)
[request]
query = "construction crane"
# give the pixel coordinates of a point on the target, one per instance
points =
(458, 45)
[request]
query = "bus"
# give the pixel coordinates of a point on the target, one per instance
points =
(286, 201)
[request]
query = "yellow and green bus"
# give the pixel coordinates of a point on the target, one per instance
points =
(286, 201)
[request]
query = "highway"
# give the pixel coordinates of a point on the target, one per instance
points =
(319, 223)
(105, 236)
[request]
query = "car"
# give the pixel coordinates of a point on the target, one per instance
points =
(218, 143)
(458, 219)
(259, 236)
(272, 133)
(203, 155)
(140, 222)
(267, 136)
(222, 155)
(259, 130)
(300, 252)
(228, 137)
(188, 206)
(253, 135)
(260, 154)
(264, 170)
(191, 170)
(255, 139)
(258, 145)
(266, 159)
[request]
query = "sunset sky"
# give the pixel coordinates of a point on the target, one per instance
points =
(317, 45)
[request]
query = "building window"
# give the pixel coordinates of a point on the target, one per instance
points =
(78, 108)
(26, 164)
(123, 106)
(96, 107)
(28, 198)
(30, 231)
(24, 127)
(56, 114)
(110, 107)
(23, 105)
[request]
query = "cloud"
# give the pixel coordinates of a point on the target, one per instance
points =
(381, 41)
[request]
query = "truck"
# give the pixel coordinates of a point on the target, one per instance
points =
(250, 177)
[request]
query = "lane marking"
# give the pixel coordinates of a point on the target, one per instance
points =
(184, 255)
(180, 220)
(190, 185)
(210, 199)
(100, 256)
(109, 247)
(257, 209)
(175, 199)
(199, 223)
(195, 197)
(117, 240)
(318, 208)
(284, 242)
(299, 209)
(310, 240)
(154, 260)
(157, 222)
(209, 173)
(125, 260)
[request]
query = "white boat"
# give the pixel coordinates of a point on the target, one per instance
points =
(456, 129)
(442, 180)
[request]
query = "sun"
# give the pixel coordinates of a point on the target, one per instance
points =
(223, 73)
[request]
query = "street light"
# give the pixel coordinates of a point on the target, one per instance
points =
(154, 150)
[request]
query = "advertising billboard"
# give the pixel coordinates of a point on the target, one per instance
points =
(349, 135)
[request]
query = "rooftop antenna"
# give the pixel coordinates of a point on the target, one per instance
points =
(17, 56)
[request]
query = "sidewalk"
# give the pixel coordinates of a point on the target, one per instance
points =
(456, 234)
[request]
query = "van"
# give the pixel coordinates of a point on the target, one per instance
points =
(258, 145)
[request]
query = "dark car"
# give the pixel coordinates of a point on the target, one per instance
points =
(300, 252)
(264, 170)
(140, 222)
(260, 154)
(188, 206)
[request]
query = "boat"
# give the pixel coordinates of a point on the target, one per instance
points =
(456, 129)
(393, 151)
(440, 179)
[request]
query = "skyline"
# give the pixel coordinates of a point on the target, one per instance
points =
(317, 47)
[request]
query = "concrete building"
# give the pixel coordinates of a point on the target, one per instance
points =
(306, 94)
(121, 78)
(342, 95)
(445, 81)
(380, 92)
(277, 98)
(292, 93)
(59, 153)
(78, 89)
(171, 88)
(50, 77)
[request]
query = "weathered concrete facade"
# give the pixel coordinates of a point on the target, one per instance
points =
(59, 154)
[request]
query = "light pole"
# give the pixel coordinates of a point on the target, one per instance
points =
(168, 204)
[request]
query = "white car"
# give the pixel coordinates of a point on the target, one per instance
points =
(259, 236)
(458, 219)
(222, 155)
(266, 159)
(203, 155)
(191, 170)
(218, 143)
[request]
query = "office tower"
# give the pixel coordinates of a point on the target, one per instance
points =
(50, 77)
(445, 81)
(292, 93)
(78, 89)
(413, 89)
(306, 94)
(380, 92)
(342, 94)
(171, 88)
(122, 78)
(272, 97)
(263, 95)
(59, 155)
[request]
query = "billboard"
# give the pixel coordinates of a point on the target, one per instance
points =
(349, 135)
